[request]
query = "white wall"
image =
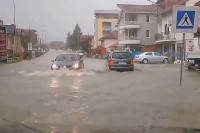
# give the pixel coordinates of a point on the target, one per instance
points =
(191, 3)
(109, 42)
(165, 19)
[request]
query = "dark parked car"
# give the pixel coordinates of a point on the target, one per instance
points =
(71, 61)
(120, 61)
(81, 53)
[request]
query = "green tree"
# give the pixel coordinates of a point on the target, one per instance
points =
(24, 41)
(86, 43)
(73, 40)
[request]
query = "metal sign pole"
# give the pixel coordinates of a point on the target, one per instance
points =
(185, 20)
(182, 59)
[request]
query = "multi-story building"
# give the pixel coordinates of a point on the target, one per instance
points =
(170, 43)
(105, 22)
(137, 26)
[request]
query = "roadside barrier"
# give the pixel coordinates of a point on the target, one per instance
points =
(13, 60)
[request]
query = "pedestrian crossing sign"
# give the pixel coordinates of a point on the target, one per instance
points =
(185, 19)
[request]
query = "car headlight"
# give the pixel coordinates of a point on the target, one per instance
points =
(76, 65)
(54, 66)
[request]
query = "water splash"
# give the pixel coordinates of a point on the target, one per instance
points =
(59, 73)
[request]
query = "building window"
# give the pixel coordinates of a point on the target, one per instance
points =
(148, 33)
(148, 19)
(107, 26)
(166, 29)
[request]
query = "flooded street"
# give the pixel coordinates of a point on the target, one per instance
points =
(149, 100)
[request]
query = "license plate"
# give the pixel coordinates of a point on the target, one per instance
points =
(191, 61)
(122, 63)
(196, 65)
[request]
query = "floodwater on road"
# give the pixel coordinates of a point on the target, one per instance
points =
(149, 100)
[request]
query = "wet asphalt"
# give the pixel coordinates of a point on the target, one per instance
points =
(34, 99)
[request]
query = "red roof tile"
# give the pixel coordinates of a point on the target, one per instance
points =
(111, 35)
(114, 45)
(197, 4)
(137, 8)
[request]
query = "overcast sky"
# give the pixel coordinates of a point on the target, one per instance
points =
(58, 16)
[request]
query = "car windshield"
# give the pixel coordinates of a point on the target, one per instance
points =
(121, 55)
(67, 57)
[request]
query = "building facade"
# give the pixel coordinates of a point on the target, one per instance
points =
(137, 26)
(110, 39)
(105, 22)
(171, 43)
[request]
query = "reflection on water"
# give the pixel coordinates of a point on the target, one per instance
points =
(77, 84)
(68, 100)
(75, 129)
(54, 83)
(79, 111)
(59, 73)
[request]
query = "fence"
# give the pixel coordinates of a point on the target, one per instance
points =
(13, 60)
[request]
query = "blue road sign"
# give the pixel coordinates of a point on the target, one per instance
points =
(185, 19)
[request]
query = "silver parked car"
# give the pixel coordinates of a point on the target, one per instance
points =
(151, 57)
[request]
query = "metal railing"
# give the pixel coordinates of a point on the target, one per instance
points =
(129, 38)
(13, 60)
(129, 23)
(107, 28)
(165, 36)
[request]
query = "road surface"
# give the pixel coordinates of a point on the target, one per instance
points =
(34, 99)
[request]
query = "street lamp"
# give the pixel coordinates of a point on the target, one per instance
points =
(14, 15)
(14, 18)
(29, 27)
(40, 38)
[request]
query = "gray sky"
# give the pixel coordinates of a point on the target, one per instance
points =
(58, 16)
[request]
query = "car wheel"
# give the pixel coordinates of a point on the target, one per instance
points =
(190, 68)
(110, 68)
(165, 61)
(144, 61)
(132, 69)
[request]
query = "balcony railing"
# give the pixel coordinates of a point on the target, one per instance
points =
(129, 23)
(164, 36)
(107, 28)
(129, 38)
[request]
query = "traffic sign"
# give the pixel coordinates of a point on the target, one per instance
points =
(185, 19)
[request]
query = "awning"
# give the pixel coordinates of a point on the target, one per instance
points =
(164, 41)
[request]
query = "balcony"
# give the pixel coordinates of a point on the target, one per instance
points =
(130, 25)
(129, 40)
(106, 28)
(163, 37)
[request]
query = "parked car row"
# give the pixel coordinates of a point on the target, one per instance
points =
(123, 60)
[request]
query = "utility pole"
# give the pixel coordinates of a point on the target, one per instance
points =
(79, 39)
(14, 20)
(14, 12)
